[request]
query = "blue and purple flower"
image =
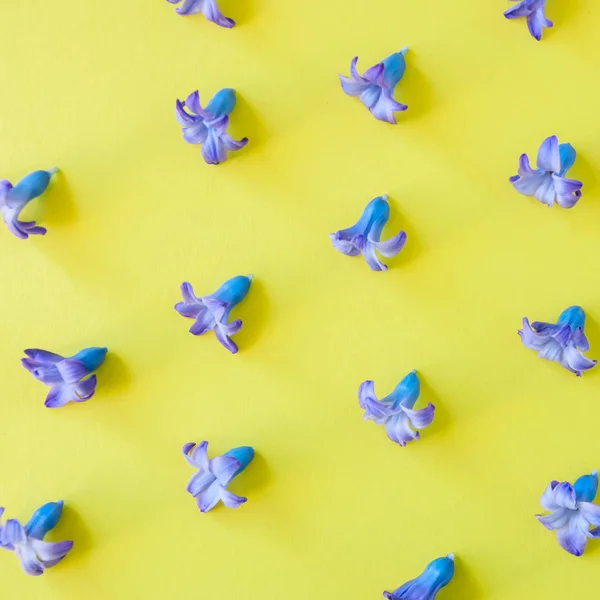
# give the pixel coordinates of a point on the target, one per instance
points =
(534, 11)
(572, 512)
(563, 342)
(67, 377)
(548, 183)
(395, 411)
(375, 88)
(211, 313)
(437, 574)
(209, 485)
(364, 237)
(208, 8)
(208, 126)
(27, 542)
(13, 200)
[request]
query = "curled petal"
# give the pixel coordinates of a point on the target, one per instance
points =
(199, 456)
(398, 430)
(590, 512)
(225, 340)
(211, 11)
(352, 87)
(389, 248)
(556, 520)
(85, 389)
(548, 158)
(529, 183)
(374, 74)
(564, 496)
(568, 191)
(224, 468)
(385, 107)
(12, 534)
(230, 500)
(420, 419)
(209, 498)
(189, 310)
(371, 257)
(204, 322)
(71, 370)
(232, 145)
(182, 116)
(43, 356)
(344, 246)
(575, 361)
(547, 500)
(51, 552)
(572, 538)
(189, 7)
(59, 395)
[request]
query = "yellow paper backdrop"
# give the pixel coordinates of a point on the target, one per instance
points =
(335, 510)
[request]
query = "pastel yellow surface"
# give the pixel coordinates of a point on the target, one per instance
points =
(335, 510)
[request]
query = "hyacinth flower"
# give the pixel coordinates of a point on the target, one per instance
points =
(437, 574)
(27, 542)
(548, 183)
(67, 377)
(13, 200)
(364, 237)
(209, 484)
(211, 313)
(563, 342)
(572, 512)
(395, 411)
(534, 11)
(208, 126)
(375, 88)
(208, 8)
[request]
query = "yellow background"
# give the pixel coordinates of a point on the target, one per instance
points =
(335, 510)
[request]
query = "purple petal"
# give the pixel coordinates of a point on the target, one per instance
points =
(370, 96)
(189, 7)
(366, 392)
(195, 134)
(398, 430)
(572, 538)
(231, 500)
(193, 103)
(58, 396)
(51, 552)
(224, 468)
(231, 144)
(536, 22)
(182, 116)
(13, 533)
(391, 247)
(199, 456)
(85, 389)
(548, 158)
(590, 512)
(200, 482)
(43, 356)
(552, 351)
(575, 361)
(187, 293)
(344, 246)
(568, 191)
(564, 496)
(546, 193)
(216, 307)
(204, 322)
(189, 310)
(211, 11)
(354, 72)
(529, 184)
(374, 74)
(547, 499)
(71, 370)
(580, 340)
(213, 151)
(209, 498)
(371, 257)
(520, 10)
(385, 107)
(225, 340)
(556, 520)
(420, 419)
(185, 450)
(352, 87)
(29, 561)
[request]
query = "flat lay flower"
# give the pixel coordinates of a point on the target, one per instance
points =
(211, 313)
(208, 8)
(364, 237)
(67, 377)
(395, 411)
(209, 485)
(208, 126)
(563, 342)
(534, 11)
(375, 88)
(27, 542)
(14, 198)
(548, 183)
(437, 574)
(572, 512)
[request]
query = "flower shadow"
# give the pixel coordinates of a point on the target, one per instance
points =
(72, 527)
(592, 332)
(58, 206)
(559, 12)
(464, 584)
(253, 312)
(240, 12)
(415, 91)
(412, 248)
(583, 171)
(255, 478)
(246, 122)
(114, 374)
(442, 419)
